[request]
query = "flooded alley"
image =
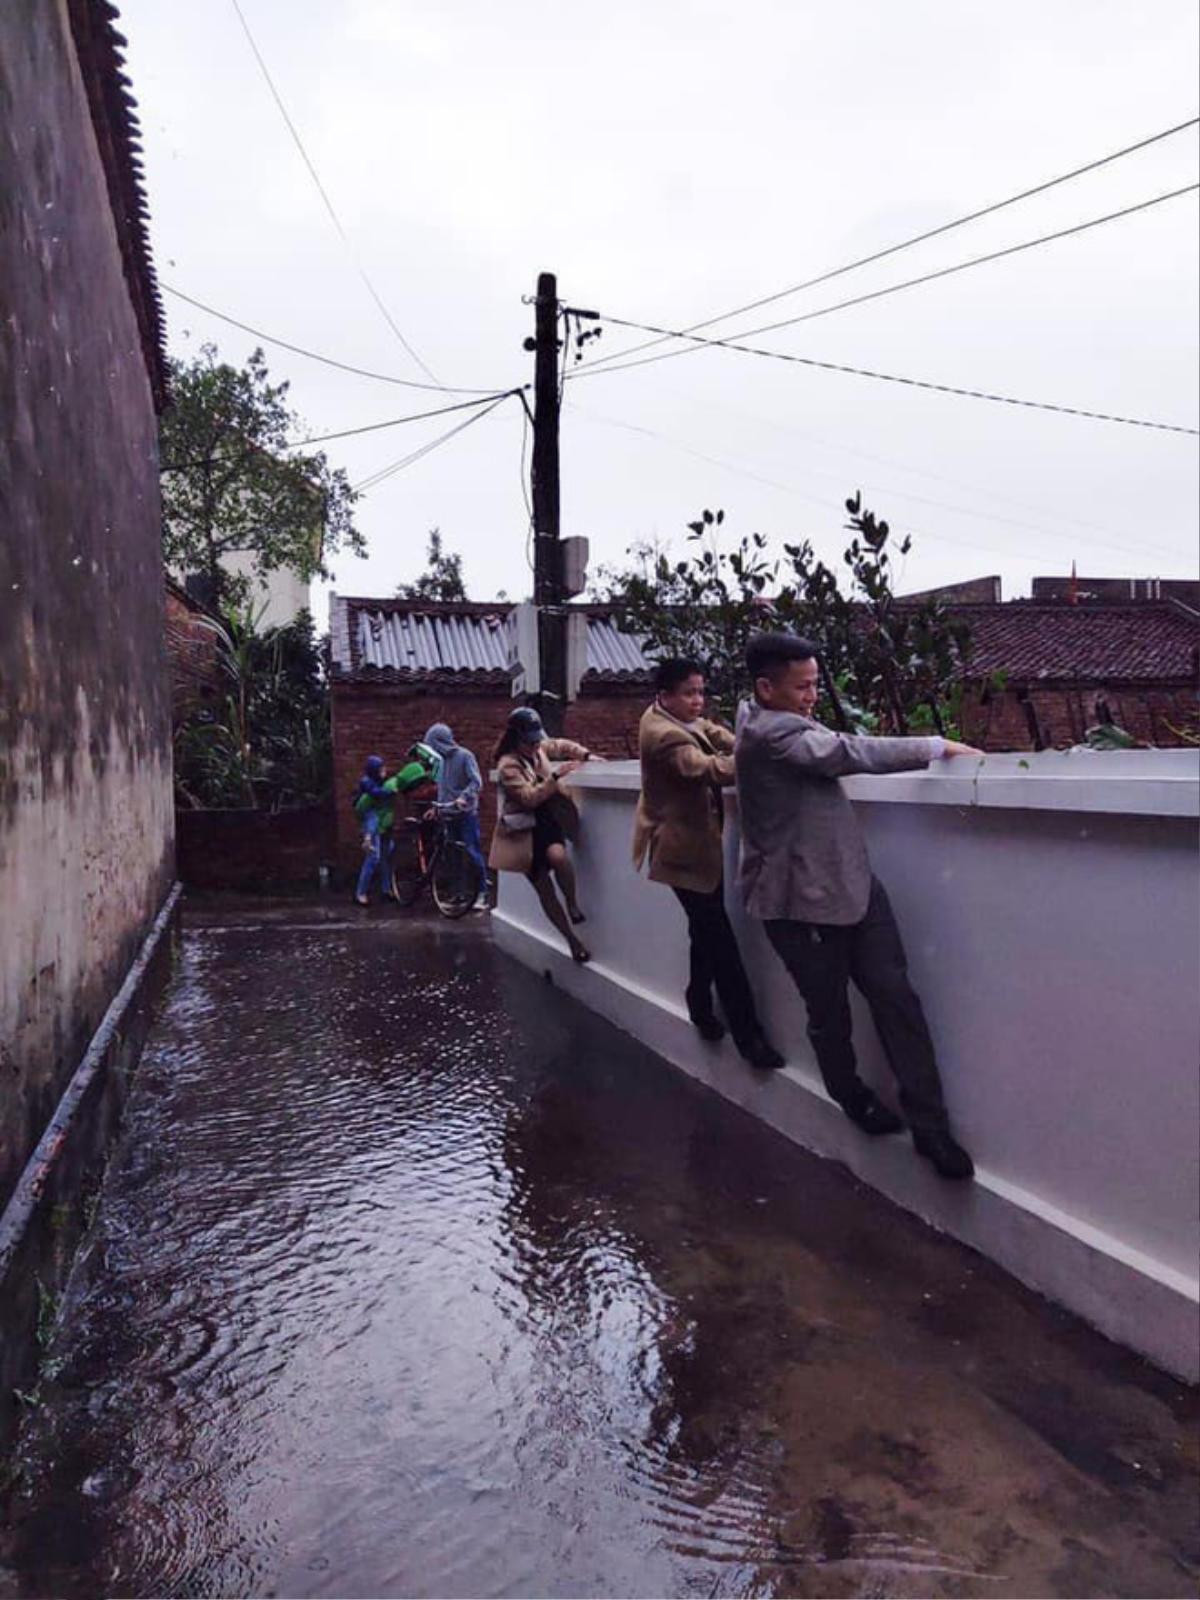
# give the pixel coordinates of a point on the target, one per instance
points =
(411, 1277)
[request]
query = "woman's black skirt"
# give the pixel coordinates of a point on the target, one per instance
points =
(546, 832)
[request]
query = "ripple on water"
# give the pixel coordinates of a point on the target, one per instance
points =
(379, 1312)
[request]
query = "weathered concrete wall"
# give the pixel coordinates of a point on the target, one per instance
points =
(85, 760)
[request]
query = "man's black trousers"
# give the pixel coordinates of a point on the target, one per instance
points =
(716, 962)
(823, 960)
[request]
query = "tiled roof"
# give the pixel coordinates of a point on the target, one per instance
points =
(1143, 641)
(396, 639)
(100, 49)
(1147, 641)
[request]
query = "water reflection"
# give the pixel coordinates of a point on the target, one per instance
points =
(409, 1280)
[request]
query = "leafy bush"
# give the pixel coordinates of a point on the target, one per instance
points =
(268, 744)
(889, 666)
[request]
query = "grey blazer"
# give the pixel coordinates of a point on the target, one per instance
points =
(803, 855)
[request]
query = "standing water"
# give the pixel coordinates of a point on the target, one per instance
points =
(411, 1277)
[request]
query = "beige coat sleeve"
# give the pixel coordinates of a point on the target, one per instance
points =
(520, 790)
(684, 757)
(564, 750)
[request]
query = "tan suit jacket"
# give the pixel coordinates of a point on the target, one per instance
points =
(680, 812)
(524, 786)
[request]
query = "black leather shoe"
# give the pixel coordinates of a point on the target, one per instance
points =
(711, 1029)
(759, 1053)
(869, 1113)
(945, 1155)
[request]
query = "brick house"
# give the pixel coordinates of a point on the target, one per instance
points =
(1066, 664)
(397, 666)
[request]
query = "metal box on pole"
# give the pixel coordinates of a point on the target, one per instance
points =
(574, 555)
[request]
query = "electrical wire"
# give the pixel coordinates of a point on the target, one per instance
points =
(321, 190)
(345, 433)
(328, 361)
(1125, 548)
(892, 377)
(915, 239)
(376, 478)
(696, 340)
(925, 533)
(525, 426)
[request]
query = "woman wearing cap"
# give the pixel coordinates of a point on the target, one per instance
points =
(538, 816)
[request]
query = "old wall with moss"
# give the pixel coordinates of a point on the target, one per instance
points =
(85, 761)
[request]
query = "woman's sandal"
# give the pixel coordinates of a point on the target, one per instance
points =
(580, 953)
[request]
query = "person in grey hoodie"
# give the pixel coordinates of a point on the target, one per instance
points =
(459, 784)
(805, 874)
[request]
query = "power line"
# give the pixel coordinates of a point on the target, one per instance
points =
(312, 355)
(324, 438)
(891, 377)
(376, 478)
(321, 190)
(918, 238)
(906, 467)
(791, 489)
(696, 340)
(1122, 546)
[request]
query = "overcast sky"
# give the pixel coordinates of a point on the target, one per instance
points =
(671, 161)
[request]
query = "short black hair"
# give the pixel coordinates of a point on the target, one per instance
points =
(770, 654)
(673, 671)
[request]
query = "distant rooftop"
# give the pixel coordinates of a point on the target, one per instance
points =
(1145, 641)
(400, 640)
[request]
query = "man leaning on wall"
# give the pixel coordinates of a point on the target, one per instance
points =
(806, 876)
(686, 761)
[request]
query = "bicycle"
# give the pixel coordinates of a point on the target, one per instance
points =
(435, 859)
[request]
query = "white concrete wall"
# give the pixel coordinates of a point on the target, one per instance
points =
(283, 593)
(1050, 910)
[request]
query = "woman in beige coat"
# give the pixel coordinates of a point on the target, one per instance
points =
(537, 817)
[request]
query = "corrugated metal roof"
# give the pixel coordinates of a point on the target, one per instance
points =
(612, 652)
(410, 641)
(371, 638)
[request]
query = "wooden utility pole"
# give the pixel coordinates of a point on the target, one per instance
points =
(547, 558)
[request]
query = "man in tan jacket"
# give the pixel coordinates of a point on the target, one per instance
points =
(686, 762)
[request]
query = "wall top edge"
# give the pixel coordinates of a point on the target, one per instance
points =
(1134, 782)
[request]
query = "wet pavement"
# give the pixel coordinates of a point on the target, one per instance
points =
(413, 1278)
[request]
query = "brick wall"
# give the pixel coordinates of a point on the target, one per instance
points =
(384, 719)
(1064, 715)
(606, 720)
(253, 850)
(192, 654)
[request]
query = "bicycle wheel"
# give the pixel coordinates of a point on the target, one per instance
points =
(408, 867)
(457, 881)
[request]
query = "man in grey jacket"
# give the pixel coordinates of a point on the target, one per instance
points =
(459, 783)
(805, 874)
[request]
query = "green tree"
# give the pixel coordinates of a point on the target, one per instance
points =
(442, 578)
(230, 486)
(268, 743)
(886, 664)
